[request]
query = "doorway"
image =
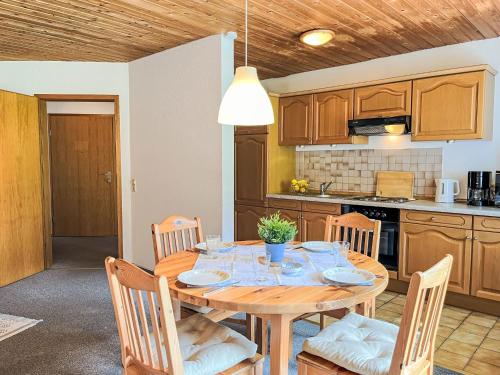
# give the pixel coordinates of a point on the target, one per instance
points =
(82, 189)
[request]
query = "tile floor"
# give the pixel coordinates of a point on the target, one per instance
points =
(467, 342)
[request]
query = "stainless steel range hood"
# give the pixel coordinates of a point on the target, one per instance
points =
(380, 126)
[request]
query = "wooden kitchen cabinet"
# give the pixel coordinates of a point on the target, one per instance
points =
(295, 120)
(250, 159)
(421, 246)
(386, 100)
(313, 226)
(251, 129)
(245, 221)
(449, 107)
(486, 265)
(290, 215)
(332, 110)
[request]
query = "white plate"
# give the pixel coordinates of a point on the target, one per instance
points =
(204, 277)
(349, 276)
(318, 246)
(224, 246)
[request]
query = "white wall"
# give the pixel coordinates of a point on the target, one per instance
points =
(176, 141)
(458, 157)
(44, 77)
(92, 108)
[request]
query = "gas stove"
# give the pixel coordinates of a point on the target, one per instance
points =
(376, 198)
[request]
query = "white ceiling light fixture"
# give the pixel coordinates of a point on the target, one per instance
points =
(246, 102)
(316, 37)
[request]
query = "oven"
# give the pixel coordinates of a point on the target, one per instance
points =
(389, 232)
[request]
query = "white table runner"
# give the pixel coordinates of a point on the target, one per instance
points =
(243, 264)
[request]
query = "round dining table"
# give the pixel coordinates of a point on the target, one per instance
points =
(278, 304)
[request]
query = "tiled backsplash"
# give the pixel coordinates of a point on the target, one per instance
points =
(355, 170)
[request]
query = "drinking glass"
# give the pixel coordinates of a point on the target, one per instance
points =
(263, 263)
(213, 243)
(340, 252)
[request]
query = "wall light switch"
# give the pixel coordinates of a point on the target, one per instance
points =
(133, 185)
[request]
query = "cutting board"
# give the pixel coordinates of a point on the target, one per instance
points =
(395, 184)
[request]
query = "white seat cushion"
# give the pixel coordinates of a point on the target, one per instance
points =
(357, 343)
(208, 348)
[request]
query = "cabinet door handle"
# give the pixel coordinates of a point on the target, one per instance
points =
(476, 238)
(433, 218)
(468, 238)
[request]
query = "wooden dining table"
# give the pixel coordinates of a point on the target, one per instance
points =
(278, 304)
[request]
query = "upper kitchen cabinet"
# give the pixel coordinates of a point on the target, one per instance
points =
(332, 110)
(295, 120)
(386, 100)
(454, 106)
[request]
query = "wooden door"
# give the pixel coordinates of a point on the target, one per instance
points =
(448, 107)
(82, 175)
(390, 99)
(290, 215)
(245, 222)
(486, 265)
(332, 110)
(313, 226)
(295, 120)
(250, 163)
(21, 224)
(421, 246)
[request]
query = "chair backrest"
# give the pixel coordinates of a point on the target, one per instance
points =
(414, 349)
(362, 233)
(175, 233)
(145, 319)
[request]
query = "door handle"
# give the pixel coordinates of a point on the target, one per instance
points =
(108, 176)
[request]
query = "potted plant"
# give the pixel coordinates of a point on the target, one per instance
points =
(275, 232)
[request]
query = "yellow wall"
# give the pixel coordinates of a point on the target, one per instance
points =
(280, 159)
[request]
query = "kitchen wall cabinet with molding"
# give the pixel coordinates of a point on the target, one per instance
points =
(385, 100)
(422, 245)
(449, 107)
(295, 120)
(317, 119)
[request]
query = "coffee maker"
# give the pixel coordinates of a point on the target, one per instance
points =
(479, 191)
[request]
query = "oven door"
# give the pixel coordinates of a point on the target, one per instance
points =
(389, 241)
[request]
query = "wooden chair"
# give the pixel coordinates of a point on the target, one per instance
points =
(174, 234)
(413, 342)
(178, 233)
(151, 339)
(363, 234)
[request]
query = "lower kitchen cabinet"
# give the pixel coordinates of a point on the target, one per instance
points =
(486, 265)
(313, 226)
(245, 221)
(290, 215)
(421, 246)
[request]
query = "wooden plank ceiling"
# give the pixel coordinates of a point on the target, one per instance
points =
(124, 30)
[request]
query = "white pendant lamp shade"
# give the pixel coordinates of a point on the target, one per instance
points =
(246, 102)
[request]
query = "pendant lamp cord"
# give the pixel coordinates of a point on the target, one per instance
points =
(246, 32)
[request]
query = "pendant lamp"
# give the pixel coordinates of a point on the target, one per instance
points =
(246, 102)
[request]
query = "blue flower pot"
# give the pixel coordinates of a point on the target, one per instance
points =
(277, 251)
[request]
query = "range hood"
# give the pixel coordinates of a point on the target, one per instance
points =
(380, 126)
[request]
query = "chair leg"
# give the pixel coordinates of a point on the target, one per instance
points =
(176, 307)
(290, 341)
(367, 308)
(261, 336)
(250, 323)
(322, 321)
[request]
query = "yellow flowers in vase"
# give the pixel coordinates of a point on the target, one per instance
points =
(299, 186)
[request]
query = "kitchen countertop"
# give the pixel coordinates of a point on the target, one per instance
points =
(419, 205)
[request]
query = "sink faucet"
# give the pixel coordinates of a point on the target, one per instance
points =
(323, 187)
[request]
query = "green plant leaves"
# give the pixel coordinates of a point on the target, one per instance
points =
(273, 229)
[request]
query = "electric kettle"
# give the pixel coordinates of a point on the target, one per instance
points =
(446, 190)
